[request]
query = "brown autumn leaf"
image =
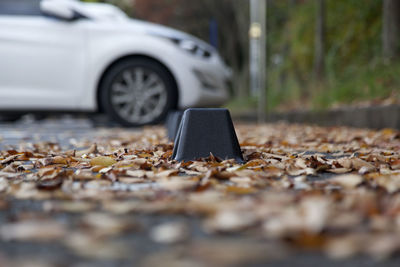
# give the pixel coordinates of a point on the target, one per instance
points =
(170, 233)
(50, 184)
(32, 230)
(348, 181)
(91, 149)
(103, 161)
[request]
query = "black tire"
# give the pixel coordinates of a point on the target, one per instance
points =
(115, 77)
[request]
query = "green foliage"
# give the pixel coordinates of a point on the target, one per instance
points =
(354, 68)
(242, 104)
(373, 81)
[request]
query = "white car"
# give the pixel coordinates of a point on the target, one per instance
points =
(66, 55)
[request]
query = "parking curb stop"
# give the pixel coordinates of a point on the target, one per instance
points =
(206, 130)
(172, 123)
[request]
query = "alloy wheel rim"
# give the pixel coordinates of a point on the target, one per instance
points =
(138, 95)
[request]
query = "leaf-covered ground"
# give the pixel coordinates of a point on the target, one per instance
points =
(119, 199)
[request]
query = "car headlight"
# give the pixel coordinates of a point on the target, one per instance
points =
(188, 45)
(192, 47)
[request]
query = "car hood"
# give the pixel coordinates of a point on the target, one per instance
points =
(164, 31)
(107, 13)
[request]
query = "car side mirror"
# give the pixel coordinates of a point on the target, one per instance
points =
(61, 9)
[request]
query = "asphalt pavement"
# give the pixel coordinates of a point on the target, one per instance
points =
(65, 130)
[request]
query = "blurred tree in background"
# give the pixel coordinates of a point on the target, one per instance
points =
(340, 41)
(320, 28)
(320, 52)
(391, 29)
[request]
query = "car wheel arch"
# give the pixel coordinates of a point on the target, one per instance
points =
(100, 108)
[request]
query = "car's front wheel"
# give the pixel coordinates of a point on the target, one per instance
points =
(138, 91)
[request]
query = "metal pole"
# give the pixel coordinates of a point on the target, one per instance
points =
(258, 74)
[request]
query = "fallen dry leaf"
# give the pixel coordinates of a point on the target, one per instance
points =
(348, 180)
(102, 161)
(43, 230)
(169, 233)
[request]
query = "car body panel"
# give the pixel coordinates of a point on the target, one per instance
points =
(42, 63)
(51, 64)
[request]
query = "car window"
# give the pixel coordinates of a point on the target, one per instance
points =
(20, 7)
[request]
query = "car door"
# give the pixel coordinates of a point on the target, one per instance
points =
(42, 59)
